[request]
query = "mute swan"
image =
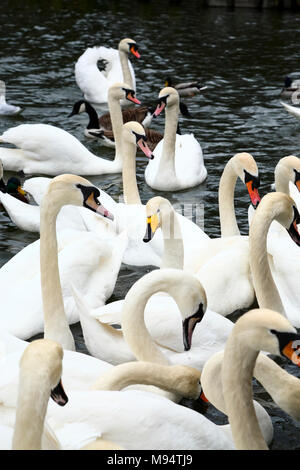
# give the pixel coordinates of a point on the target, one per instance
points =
(108, 414)
(101, 263)
(161, 312)
(93, 83)
(50, 150)
(142, 114)
(186, 89)
(178, 162)
(5, 108)
(116, 346)
(291, 109)
(276, 280)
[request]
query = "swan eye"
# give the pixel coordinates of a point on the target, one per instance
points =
(139, 136)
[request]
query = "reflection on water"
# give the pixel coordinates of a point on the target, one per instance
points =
(242, 56)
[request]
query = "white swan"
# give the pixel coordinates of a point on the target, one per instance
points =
(291, 110)
(5, 108)
(94, 83)
(275, 269)
(178, 162)
(83, 258)
(49, 150)
(259, 329)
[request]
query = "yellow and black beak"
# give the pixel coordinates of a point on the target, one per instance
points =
(152, 226)
(21, 191)
(59, 395)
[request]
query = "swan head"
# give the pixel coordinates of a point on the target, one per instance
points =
(77, 191)
(169, 97)
(267, 330)
(159, 211)
(134, 133)
(287, 169)
(43, 359)
(282, 208)
(246, 169)
(122, 91)
(186, 381)
(129, 45)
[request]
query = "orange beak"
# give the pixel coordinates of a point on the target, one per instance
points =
(203, 398)
(292, 352)
(133, 98)
(135, 52)
(159, 108)
(253, 193)
(298, 185)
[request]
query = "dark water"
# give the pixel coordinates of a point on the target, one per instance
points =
(241, 55)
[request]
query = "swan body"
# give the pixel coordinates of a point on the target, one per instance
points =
(259, 329)
(291, 110)
(94, 83)
(7, 109)
(49, 150)
(178, 162)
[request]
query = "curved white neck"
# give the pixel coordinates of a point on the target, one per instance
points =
(167, 161)
(127, 78)
(33, 397)
(131, 373)
(55, 322)
(228, 223)
(130, 187)
(265, 289)
(237, 372)
(173, 255)
(133, 323)
(117, 125)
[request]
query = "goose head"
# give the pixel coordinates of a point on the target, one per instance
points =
(169, 97)
(79, 107)
(122, 91)
(77, 191)
(158, 210)
(287, 169)
(246, 169)
(43, 358)
(134, 134)
(129, 45)
(267, 330)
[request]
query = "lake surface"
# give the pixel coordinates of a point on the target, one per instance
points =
(241, 55)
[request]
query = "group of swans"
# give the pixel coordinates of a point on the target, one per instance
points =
(130, 419)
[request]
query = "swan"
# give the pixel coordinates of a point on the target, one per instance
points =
(94, 83)
(83, 258)
(275, 267)
(5, 108)
(178, 158)
(259, 329)
(291, 109)
(49, 150)
(187, 298)
(186, 89)
(161, 312)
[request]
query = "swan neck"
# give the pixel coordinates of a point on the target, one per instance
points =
(266, 291)
(133, 323)
(237, 372)
(167, 160)
(227, 184)
(173, 256)
(55, 322)
(130, 187)
(33, 397)
(117, 125)
(127, 78)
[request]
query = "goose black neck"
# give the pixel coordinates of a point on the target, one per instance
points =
(94, 121)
